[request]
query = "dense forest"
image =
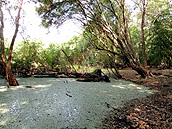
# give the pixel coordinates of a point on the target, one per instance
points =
(115, 35)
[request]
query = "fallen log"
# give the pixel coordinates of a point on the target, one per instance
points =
(95, 76)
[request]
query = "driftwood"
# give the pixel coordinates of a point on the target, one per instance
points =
(95, 76)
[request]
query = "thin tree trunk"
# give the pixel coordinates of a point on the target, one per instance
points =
(143, 35)
(2, 52)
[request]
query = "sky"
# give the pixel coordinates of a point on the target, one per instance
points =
(32, 29)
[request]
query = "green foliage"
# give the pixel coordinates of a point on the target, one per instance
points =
(160, 39)
(26, 54)
(136, 40)
(75, 49)
(158, 24)
(81, 50)
(52, 55)
(56, 12)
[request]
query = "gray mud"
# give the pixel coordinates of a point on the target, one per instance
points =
(60, 103)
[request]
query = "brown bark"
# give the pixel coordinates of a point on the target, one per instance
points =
(143, 35)
(142, 71)
(2, 52)
(129, 50)
(127, 47)
(7, 73)
(11, 80)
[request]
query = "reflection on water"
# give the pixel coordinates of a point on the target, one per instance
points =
(59, 103)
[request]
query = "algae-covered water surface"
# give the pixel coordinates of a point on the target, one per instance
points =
(61, 103)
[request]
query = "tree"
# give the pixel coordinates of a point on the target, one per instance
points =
(143, 34)
(2, 52)
(52, 55)
(28, 53)
(160, 39)
(149, 11)
(106, 21)
(142, 5)
(6, 63)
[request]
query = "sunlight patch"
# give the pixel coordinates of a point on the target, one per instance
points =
(24, 103)
(4, 89)
(40, 86)
(4, 110)
(122, 87)
(3, 122)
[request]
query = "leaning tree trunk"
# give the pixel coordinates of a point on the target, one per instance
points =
(11, 80)
(6, 66)
(141, 71)
(4, 71)
(125, 44)
(130, 52)
(8, 75)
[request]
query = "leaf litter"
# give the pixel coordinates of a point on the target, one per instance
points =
(154, 111)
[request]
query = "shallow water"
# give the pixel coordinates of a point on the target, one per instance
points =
(59, 103)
